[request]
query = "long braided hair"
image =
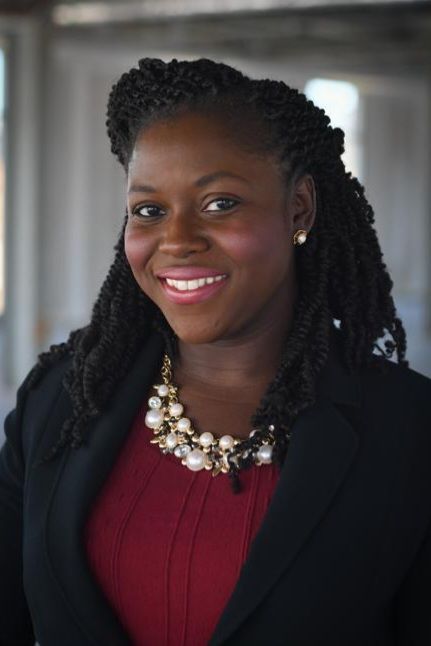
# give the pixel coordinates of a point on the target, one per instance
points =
(341, 273)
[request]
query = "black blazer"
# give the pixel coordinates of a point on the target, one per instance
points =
(342, 558)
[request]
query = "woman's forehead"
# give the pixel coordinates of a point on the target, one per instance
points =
(187, 127)
(200, 142)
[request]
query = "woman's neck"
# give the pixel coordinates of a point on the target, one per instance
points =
(242, 363)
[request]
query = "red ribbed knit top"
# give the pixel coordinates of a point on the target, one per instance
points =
(166, 544)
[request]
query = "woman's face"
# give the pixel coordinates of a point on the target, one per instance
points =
(209, 236)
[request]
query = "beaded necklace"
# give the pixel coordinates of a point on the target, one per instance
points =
(175, 434)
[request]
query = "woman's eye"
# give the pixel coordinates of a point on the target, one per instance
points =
(148, 211)
(221, 204)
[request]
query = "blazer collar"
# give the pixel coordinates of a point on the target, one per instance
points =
(323, 444)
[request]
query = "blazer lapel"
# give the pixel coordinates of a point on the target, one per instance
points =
(81, 474)
(321, 450)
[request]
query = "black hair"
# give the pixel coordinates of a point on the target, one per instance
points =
(340, 269)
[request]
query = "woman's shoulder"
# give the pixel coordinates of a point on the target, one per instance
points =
(386, 394)
(44, 381)
(395, 413)
(36, 397)
(381, 377)
(396, 381)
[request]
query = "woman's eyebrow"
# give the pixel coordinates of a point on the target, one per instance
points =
(141, 188)
(202, 181)
(211, 177)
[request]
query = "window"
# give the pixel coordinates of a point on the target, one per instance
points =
(340, 100)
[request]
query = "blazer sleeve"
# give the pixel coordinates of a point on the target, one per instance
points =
(15, 621)
(413, 600)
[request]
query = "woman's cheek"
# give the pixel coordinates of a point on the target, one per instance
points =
(245, 246)
(137, 250)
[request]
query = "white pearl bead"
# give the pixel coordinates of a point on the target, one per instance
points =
(175, 410)
(195, 460)
(163, 390)
(183, 424)
(171, 440)
(301, 238)
(226, 442)
(206, 439)
(264, 453)
(154, 418)
(154, 402)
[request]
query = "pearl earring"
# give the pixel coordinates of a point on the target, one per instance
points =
(300, 237)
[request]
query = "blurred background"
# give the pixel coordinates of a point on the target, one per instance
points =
(367, 63)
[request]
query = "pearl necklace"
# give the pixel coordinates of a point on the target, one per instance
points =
(175, 434)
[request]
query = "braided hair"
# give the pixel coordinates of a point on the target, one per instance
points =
(341, 273)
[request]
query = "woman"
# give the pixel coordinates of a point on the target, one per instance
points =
(225, 454)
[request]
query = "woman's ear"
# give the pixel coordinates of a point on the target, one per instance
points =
(303, 203)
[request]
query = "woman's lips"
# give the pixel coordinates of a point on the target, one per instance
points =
(195, 294)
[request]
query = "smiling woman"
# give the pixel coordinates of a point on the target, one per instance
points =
(242, 337)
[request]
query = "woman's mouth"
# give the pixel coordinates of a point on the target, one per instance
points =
(190, 285)
(193, 290)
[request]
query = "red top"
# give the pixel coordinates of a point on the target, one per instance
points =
(166, 544)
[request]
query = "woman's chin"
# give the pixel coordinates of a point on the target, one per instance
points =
(195, 335)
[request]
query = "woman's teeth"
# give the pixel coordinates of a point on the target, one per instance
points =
(187, 285)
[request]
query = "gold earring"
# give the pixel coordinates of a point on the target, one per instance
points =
(300, 237)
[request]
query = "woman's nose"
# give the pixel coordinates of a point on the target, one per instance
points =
(182, 236)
